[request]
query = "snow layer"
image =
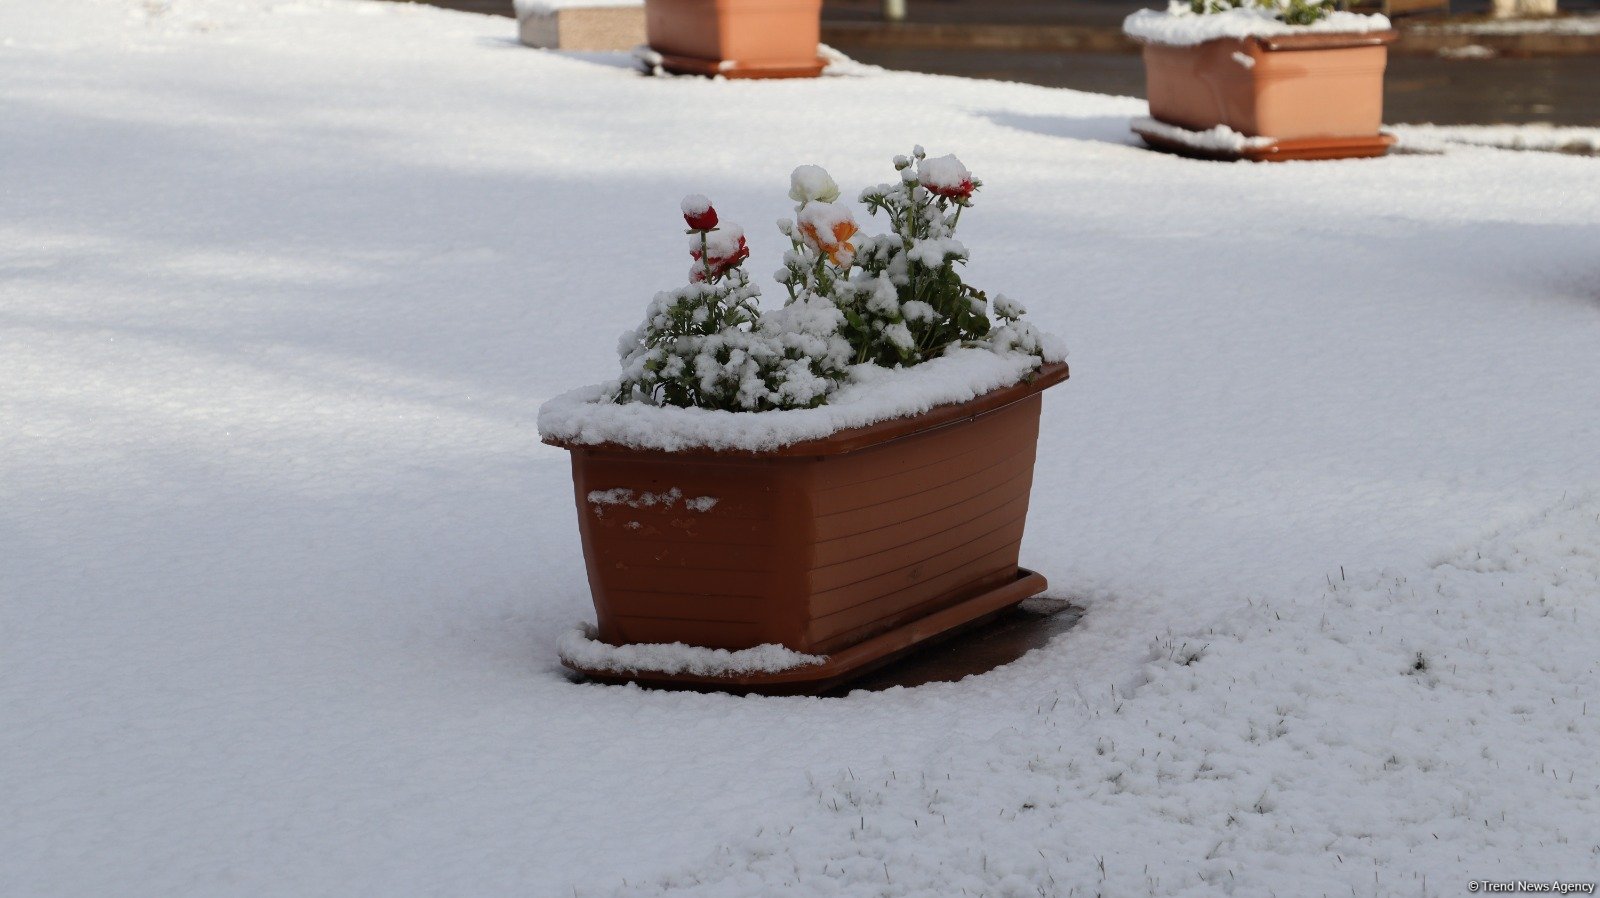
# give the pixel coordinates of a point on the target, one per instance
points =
(1220, 138)
(581, 648)
(1404, 731)
(525, 8)
(283, 567)
(1186, 30)
(1543, 138)
(874, 394)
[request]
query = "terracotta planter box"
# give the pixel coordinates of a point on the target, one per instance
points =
(591, 28)
(858, 546)
(736, 38)
(1314, 95)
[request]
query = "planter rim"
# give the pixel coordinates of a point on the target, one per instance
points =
(1310, 40)
(1331, 41)
(855, 438)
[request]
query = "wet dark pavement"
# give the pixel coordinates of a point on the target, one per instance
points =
(1560, 90)
(1563, 90)
(1079, 12)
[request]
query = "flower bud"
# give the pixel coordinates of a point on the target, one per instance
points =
(697, 212)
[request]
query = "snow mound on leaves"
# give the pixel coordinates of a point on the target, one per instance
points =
(580, 648)
(1360, 740)
(874, 394)
(1182, 29)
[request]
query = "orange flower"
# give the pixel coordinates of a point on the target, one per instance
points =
(827, 228)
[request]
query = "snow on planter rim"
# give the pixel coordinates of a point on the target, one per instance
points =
(1186, 29)
(873, 394)
(525, 8)
(580, 649)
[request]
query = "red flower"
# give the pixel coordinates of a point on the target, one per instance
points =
(699, 214)
(713, 265)
(953, 191)
(721, 265)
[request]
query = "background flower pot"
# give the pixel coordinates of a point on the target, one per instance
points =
(1302, 87)
(818, 546)
(598, 27)
(736, 38)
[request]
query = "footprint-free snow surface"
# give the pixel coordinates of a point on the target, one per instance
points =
(283, 564)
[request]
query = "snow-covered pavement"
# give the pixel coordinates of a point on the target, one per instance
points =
(283, 565)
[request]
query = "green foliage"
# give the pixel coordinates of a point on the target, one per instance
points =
(707, 345)
(1205, 7)
(1303, 12)
(1291, 12)
(896, 299)
(901, 294)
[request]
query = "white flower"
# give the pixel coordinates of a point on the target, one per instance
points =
(810, 183)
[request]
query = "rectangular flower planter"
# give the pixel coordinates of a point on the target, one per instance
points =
(1311, 96)
(838, 546)
(736, 38)
(607, 27)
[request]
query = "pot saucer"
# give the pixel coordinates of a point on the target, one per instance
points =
(1172, 139)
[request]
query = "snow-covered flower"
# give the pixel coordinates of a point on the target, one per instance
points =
(946, 177)
(827, 228)
(812, 184)
(717, 252)
(894, 299)
(698, 213)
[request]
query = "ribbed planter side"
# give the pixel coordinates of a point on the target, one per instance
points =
(817, 546)
(1289, 88)
(737, 37)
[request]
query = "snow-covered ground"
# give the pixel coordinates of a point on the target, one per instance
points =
(283, 565)
(1536, 138)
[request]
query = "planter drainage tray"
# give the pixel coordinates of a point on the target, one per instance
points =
(729, 68)
(1202, 145)
(843, 665)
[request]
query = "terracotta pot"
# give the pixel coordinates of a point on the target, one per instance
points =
(1291, 88)
(736, 38)
(819, 546)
